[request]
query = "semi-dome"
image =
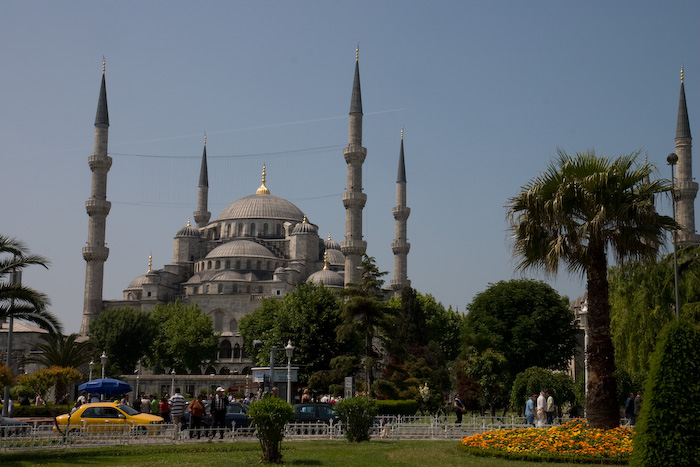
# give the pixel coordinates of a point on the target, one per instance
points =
(262, 206)
(304, 227)
(240, 248)
(327, 277)
(331, 244)
(138, 282)
(188, 231)
(335, 257)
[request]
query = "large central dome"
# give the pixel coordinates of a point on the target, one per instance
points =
(262, 206)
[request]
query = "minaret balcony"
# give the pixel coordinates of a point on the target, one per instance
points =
(95, 253)
(401, 212)
(355, 154)
(400, 248)
(97, 206)
(354, 200)
(353, 247)
(399, 285)
(100, 162)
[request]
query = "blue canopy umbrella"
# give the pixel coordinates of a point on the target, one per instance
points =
(105, 386)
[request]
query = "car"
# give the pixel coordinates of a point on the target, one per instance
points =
(236, 413)
(314, 413)
(13, 427)
(109, 416)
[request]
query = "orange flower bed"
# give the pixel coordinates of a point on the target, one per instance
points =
(573, 439)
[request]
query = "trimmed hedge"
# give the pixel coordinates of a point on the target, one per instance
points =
(667, 431)
(41, 411)
(400, 407)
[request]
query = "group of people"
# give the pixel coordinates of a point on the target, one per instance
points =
(539, 409)
(632, 406)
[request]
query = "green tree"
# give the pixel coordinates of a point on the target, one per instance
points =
(270, 415)
(61, 350)
(576, 212)
(307, 316)
(642, 301)
(184, 339)
(125, 335)
(530, 381)
(491, 372)
(19, 301)
(524, 320)
(667, 431)
(365, 313)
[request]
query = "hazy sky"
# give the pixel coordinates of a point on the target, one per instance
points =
(486, 91)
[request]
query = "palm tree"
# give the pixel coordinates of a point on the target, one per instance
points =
(16, 300)
(574, 213)
(60, 350)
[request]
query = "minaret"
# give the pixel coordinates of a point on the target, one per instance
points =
(97, 207)
(201, 215)
(354, 199)
(400, 246)
(686, 189)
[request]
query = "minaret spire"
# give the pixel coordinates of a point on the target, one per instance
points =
(353, 247)
(95, 252)
(400, 246)
(685, 188)
(202, 215)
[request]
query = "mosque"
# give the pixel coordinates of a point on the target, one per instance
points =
(259, 246)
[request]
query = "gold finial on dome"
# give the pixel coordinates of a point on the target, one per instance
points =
(263, 189)
(681, 73)
(329, 236)
(304, 220)
(325, 261)
(188, 220)
(104, 65)
(150, 261)
(357, 52)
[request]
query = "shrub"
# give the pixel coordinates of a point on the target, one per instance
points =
(404, 407)
(269, 416)
(357, 414)
(667, 431)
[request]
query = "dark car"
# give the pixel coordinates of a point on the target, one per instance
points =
(235, 413)
(13, 427)
(314, 413)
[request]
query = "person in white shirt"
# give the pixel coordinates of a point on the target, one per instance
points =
(541, 416)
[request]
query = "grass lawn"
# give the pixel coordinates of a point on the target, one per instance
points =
(299, 453)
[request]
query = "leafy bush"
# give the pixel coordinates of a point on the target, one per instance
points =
(667, 431)
(357, 414)
(269, 416)
(534, 378)
(389, 407)
(41, 411)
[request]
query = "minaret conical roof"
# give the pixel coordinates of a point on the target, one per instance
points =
(356, 100)
(203, 171)
(102, 116)
(683, 125)
(401, 177)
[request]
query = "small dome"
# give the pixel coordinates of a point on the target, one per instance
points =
(240, 248)
(331, 244)
(327, 277)
(335, 258)
(188, 231)
(138, 282)
(304, 227)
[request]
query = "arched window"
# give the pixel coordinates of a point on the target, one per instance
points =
(208, 264)
(279, 230)
(233, 325)
(220, 288)
(210, 370)
(257, 265)
(239, 230)
(228, 264)
(265, 227)
(225, 371)
(191, 257)
(238, 264)
(195, 290)
(247, 264)
(218, 264)
(225, 349)
(218, 321)
(228, 230)
(236, 351)
(260, 289)
(207, 288)
(252, 229)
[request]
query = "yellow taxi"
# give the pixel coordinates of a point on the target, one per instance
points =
(109, 416)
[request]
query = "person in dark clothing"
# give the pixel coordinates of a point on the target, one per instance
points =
(459, 409)
(218, 412)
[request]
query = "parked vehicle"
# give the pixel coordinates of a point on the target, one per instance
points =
(314, 413)
(13, 427)
(236, 413)
(108, 416)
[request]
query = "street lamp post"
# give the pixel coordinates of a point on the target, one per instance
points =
(289, 350)
(138, 373)
(91, 364)
(672, 159)
(15, 280)
(172, 382)
(103, 362)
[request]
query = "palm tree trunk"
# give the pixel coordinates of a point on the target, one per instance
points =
(602, 409)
